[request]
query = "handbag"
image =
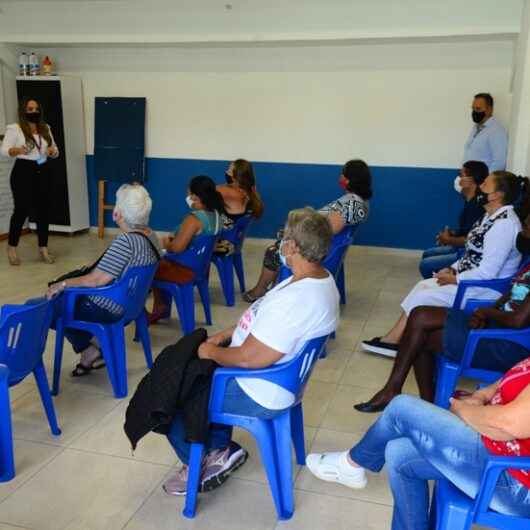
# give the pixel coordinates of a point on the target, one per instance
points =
(86, 269)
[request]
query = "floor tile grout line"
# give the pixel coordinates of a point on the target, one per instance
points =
(41, 468)
(129, 459)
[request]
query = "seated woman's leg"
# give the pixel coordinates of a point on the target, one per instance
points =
(422, 337)
(81, 341)
(428, 453)
(436, 262)
(223, 456)
(269, 273)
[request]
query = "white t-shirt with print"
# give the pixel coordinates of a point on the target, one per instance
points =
(285, 319)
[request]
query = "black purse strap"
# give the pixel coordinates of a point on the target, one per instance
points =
(151, 244)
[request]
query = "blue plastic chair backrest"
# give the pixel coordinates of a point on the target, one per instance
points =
(23, 334)
(137, 282)
(339, 246)
(130, 291)
(197, 256)
(236, 235)
(294, 374)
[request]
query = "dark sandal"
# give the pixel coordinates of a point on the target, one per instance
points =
(81, 370)
(247, 297)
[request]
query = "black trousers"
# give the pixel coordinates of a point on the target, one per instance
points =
(31, 189)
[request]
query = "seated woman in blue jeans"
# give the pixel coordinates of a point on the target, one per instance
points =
(271, 331)
(431, 330)
(419, 442)
(137, 245)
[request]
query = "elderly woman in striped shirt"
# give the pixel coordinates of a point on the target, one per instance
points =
(136, 245)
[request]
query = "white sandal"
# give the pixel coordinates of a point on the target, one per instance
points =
(334, 467)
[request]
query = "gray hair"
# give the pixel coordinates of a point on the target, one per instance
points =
(134, 204)
(310, 231)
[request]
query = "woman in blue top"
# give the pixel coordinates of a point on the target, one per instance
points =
(207, 208)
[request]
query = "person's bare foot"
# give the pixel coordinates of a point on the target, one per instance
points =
(46, 256)
(12, 256)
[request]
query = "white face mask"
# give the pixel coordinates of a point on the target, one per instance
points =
(458, 185)
(189, 201)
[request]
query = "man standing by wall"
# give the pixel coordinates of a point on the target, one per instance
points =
(488, 139)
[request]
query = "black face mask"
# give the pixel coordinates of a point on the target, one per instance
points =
(522, 244)
(481, 198)
(33, 117)
(477, 117)
(229, 179)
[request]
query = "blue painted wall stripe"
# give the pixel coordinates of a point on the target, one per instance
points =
(408, 208)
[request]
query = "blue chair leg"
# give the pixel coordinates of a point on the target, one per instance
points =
(58, 359)
(119, 385)
(204, 293)
(297, 433)
(183, 295)
(282, 432)
(194, 475)
(341, 284)
(448, 516)
(263, 431)
(142, 330)
(225, 268)
(44, 390)
(106, 344)
(240, 272)
(446, 380)
(7, 460)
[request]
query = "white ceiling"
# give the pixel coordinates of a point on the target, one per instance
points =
(207, 22)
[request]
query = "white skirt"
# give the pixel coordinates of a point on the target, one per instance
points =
(428, 292)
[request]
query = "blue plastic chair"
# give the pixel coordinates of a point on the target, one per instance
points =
(130, 292)
(334, 261)
(23, 334)
(273, 436)
(453, 510)
(196, 257)
(448, 372)
(227, 263)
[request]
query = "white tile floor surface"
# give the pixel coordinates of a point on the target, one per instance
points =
(87, 479)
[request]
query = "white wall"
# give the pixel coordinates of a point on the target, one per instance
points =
(107, 21)
(392, 104)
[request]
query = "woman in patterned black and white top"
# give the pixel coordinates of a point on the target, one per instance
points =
(490, 253)
(349, 209)
(136, 246)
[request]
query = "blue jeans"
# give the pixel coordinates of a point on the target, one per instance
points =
(235, 402)
(435, 259)
(411, 437)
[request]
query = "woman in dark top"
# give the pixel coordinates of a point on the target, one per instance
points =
(350, 209)
(472, 175)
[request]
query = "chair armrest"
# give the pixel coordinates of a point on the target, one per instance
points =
(494, 467)
(500, 285)
(115, 291)
(518, 336)
(473, 303)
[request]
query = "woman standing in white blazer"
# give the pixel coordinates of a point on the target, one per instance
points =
(31, 143)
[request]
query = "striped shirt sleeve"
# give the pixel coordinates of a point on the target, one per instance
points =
(117, 257)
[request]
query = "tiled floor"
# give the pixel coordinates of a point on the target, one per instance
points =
(87, 479)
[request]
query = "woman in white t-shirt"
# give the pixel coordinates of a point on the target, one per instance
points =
(271, 331)
(30, 142)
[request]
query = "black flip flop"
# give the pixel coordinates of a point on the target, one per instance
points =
(81, 370)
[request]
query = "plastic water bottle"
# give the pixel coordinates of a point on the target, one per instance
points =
(23, 64)
(34, 66)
